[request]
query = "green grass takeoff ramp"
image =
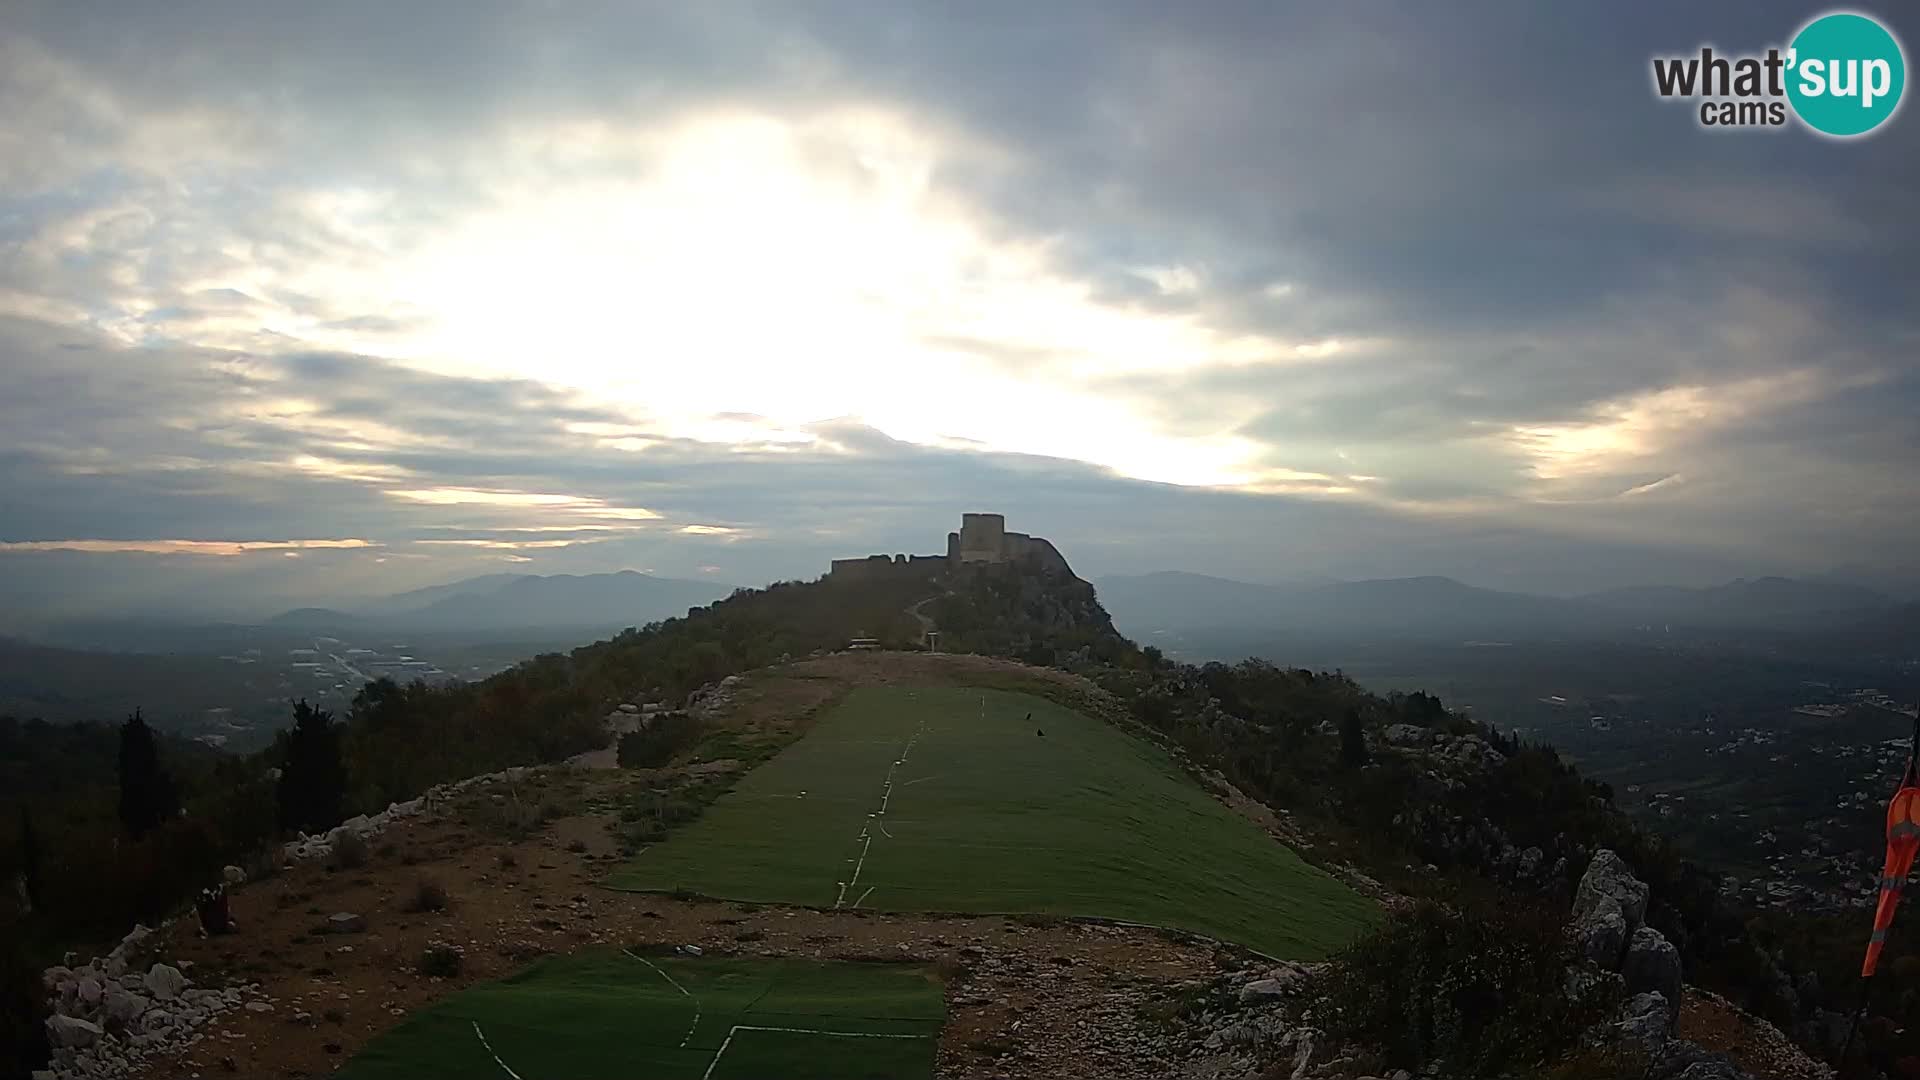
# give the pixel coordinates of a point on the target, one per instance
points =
(608, 1015)
(952, 800)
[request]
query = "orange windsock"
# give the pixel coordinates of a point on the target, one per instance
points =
(1903, 840)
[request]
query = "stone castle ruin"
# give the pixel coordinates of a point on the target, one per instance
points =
(982, 542)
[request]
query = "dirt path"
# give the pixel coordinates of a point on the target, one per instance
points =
(925, 620)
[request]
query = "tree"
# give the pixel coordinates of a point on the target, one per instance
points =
(313, 780)
(1353, 740)
(147, 795)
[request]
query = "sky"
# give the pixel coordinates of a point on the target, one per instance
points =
(300, 302)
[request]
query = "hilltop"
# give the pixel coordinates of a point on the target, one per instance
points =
(1398, 799)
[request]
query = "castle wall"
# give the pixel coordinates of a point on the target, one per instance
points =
(881, 567)
(983, 539)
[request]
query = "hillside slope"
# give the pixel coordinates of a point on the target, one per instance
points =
(991, 802)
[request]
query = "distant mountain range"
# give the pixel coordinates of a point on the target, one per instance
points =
(1173, 601)
(505, 602)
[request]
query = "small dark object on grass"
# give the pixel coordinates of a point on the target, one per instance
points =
(1040, 733)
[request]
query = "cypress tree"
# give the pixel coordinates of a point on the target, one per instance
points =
(313, 780)
(147, 795)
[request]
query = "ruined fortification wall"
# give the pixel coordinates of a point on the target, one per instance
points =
(983, 540)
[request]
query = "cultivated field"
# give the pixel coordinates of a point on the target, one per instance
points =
(964, 800)
(604, 1014)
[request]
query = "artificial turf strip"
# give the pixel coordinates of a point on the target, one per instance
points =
(987, 815)
(602, 1014)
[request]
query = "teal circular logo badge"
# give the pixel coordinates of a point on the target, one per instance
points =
(1846, 74)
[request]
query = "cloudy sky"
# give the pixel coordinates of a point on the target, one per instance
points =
(314, 299)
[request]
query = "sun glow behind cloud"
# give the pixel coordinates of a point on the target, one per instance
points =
(793, 269)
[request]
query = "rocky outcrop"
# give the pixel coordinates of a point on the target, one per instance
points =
(366, 826)
(1609, 925)
(1652, 964)
(1407, 735)
(1609, 908)
(109, 1018)
(1621, 954)
(1609, 882)
(1602, 936)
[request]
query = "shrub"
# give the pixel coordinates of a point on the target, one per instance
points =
(1477, 991)
(659, 742)
(441, 960)
(428, 896)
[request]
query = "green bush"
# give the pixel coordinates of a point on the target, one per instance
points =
(1473, 991)
(659, 742)
(440, 960)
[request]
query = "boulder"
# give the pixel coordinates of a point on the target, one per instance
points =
(1264, 988)
(1643, 1019)
(165, 982)
(1609, 877)
(233, 875)
(1652, 963)
(345, 922)
(121, 1007)
(1407, 735)
(71, 1032)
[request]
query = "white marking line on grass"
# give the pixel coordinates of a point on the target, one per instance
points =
(738, 1028)
(864, 895)
(696, 1001)
(504, 1067)
(866, 831)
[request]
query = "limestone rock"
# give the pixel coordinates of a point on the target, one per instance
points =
(1407, 735)
(165, 982)
(1264, 988)
(1643, 1019)
(122, 1008)
(1603, 934)
(345, 922)
(71, 1032)
(1609, 877)
(1652, 963)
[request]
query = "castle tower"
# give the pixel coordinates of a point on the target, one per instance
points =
(982, 537)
